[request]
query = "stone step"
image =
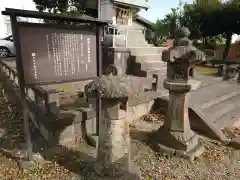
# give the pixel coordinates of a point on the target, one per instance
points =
(135, 33)
(148, 65)
(151, 45)
(137, 42)
(139, 45)
(120, 42)
(159, 74)
(147, 51)
(156, 72)
(148, 58)
(141, 39)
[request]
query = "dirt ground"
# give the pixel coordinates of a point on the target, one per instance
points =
(216, 163)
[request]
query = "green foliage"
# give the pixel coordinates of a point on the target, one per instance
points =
(65, 7)
(167, 26)
(209, 21)
(61, 6)
(203, 18)
(222, 20)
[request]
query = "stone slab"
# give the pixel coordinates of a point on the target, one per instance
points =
(217, 104)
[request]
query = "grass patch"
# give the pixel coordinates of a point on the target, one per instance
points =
(206, 70)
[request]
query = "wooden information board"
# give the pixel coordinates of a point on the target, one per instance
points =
(53, 55)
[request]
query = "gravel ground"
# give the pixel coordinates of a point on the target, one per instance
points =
(217, 162)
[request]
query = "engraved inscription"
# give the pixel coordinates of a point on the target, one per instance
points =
(34, 65)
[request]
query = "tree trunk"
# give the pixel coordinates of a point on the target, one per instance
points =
(227, 45)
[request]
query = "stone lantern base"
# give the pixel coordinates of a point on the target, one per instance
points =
(113, 149)
(175, 137)
(180, 144)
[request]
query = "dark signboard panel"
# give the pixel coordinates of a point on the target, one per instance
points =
(57, 55)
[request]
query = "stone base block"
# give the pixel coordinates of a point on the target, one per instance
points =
(37, 159)
(178, 144)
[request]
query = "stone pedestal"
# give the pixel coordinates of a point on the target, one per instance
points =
(113, 153)
(221, 70)
(238, 77)
(192, 72)
(176, 136)
(113, 149)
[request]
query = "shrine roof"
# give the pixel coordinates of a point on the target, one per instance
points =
(137, 3)
(145, 22)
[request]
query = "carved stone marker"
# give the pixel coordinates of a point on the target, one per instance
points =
(113, 150)
(176, 136)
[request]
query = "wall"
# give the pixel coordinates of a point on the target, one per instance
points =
(107, 11)
(234, 52)
(137, 25)
(5, 27)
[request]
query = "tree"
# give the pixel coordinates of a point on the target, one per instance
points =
(223, 21)
(213, 21)
(208, 4)
(68, 7)
(230, 23)
(166, 27)
(210, 21)
(61, 6)
(161, 31)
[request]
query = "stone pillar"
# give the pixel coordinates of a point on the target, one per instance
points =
(238, 77)
(220, 70)
(113, 148)
(113, 156)
(192, 72)
(175, 136)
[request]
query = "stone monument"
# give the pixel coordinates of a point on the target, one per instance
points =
(175, 136)
(113, 147)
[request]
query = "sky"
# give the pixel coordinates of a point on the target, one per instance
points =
(159, 8)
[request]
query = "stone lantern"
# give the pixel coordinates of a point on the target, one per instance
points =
(176, 136)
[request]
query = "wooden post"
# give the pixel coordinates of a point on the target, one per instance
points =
(15, 31)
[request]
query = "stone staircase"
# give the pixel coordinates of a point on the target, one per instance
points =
(145, 59)
(135, 38)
